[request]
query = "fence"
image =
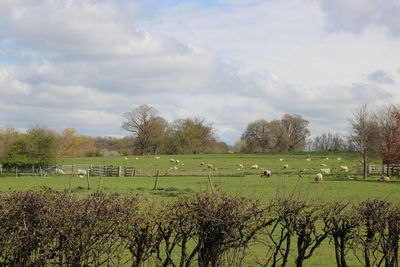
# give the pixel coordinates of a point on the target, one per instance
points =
(118, 171)
(394, 170)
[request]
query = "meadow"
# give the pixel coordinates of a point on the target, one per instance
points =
(192, 176)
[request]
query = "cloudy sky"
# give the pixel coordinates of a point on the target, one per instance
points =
(83, 63)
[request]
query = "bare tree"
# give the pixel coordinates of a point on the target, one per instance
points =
(257, 136)
(328, 142)
(297, 131)
(365, 135)
(388, 117)
(146, 127)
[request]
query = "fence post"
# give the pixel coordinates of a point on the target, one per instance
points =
(155, 184)
(133, 172)
(210, 182)
(88, 180)
(1, 169)
(119, 171)
(16, 172)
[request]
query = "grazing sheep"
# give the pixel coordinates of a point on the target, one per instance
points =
(81, 173)
(323, 165)
(350, 177)
(210, 166)
(384, 179)
(326, 158)
(172, 161)
(177, 161)
(254, 167)
(215, 169)
(136, 158)
(266, 173)
(308, 159)
(339, 158)
(54, 171)
(318, 177)
(241, 166)
(285, 166)
(280, 159)
(202, 163)
(344, 168)
(126, 158)
(157, 157)
(175, 168)
(325, 171)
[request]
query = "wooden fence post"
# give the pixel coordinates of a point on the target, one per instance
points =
(133, 172)
(16, 172)
(100, 184)
(88, 180)
(155, 184)
(210, 182)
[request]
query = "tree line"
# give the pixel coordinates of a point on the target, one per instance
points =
(207, 230)
(372, 133)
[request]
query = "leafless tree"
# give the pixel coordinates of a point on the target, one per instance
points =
(257, 136)
(146, 127)
(364, 135)
(297, 131)
(388, 118)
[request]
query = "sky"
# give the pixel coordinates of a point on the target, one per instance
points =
(84, 63)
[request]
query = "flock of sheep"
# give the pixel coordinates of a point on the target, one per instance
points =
(264, 172)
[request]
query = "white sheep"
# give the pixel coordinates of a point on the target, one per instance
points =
(172, 161)
(326, 158)
(241, 166)
(308, 159)
(177, 161)
(344, 168)
(136, 158)
(318, 177)
(210, 166)
(280, 159)
(384, 179)
(285, 166)
(81, 173)
(254, 167)
(339, 158)
(157, 157)
(323, 165)
(126, 158)
(325, 171)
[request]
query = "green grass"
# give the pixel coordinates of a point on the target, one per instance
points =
(227, 178)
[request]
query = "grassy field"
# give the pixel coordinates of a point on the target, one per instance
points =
(191, 177)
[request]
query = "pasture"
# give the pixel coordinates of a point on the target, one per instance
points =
(190, 176)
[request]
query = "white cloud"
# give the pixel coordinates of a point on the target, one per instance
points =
(82, 63)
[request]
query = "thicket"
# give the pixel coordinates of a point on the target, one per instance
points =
(52, 228)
